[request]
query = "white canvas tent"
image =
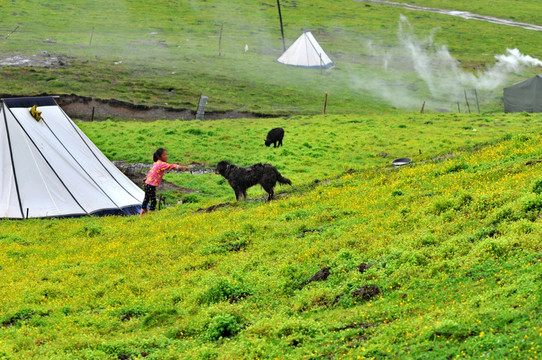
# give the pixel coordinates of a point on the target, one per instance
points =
(305, 52)
(50, 168)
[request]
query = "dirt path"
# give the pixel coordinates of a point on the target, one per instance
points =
(82, 108)
(461, 14)
(86, 108)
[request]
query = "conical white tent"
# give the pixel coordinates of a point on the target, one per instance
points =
(305, 52)
(50, 168)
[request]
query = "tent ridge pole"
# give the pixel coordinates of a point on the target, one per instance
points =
(12, 162)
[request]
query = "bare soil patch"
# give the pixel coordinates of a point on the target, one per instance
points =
(87, 109)
(38, 59)
(321, 275)
(366, 292)
(137, 172)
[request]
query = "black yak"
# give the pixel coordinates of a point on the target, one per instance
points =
(275, 136)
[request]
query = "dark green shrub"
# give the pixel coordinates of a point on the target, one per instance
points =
(223, 290)
(17, 318)
(191, 198)
(90, 230)
(127, 313)
(397, 193)
(442, 205)
(537, 188)
(194, 132)
(223, 326)
(462, 200)
(534, 204)
(456, 168)
(483, 233)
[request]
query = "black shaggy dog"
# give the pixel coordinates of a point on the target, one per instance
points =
(274, 136)
(241, 178)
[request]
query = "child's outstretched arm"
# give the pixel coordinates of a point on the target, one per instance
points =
(180, 167)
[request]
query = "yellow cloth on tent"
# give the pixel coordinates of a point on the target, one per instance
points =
(35, 113)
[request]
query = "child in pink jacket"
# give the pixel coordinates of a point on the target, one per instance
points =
(154, 178)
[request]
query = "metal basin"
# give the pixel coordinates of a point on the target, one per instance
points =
(401, 161)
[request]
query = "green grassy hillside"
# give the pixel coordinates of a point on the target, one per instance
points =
(315, 148)
(440, 259)
(167, 54)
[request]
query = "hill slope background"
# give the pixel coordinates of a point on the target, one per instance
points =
(166, 54)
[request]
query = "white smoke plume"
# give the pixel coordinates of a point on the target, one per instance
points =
(417, 68)
(496, 76)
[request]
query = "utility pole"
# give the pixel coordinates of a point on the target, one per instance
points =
(281, 28)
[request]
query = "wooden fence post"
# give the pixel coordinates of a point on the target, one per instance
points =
(91, 36)
(220, 40)
(477, 103)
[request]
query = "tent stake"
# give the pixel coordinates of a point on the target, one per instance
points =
(466, 100)
(477, 103)
(458, 108)
(423, 105)
(27, 213)
(325, 103)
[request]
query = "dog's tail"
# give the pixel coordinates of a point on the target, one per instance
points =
(281, 179)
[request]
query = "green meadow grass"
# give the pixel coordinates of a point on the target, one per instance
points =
(166, 54)
(451, 242)
(315, 148)
(452, 245)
